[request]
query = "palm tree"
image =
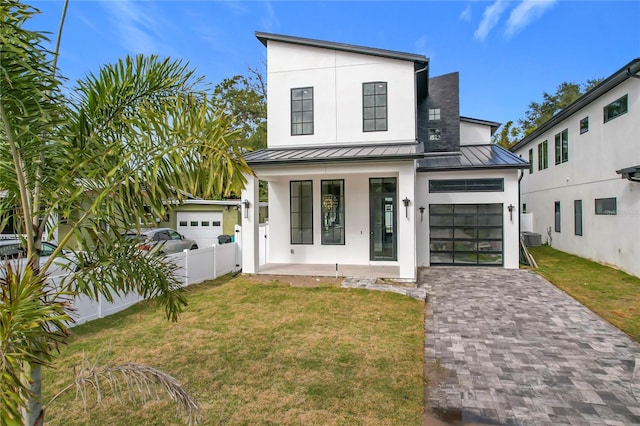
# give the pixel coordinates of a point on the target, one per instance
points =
(126, 139)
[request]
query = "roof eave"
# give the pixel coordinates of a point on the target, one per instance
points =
(292, 162)
(265, 37)
(609, 83)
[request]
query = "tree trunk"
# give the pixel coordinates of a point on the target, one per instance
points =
(33, 415)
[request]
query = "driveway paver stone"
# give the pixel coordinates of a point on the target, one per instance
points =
(521, 351)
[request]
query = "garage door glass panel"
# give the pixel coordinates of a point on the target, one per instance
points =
(469, 234)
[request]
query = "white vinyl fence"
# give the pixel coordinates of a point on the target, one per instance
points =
(194, 266)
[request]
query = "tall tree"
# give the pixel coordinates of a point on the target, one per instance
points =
(138, 132)
(539, 112)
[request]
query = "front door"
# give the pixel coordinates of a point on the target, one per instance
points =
(382, 219)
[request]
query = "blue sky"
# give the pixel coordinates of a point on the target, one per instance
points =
(507, 53)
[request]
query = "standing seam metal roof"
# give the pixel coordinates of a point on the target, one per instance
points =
(370, 152)
(473, 157)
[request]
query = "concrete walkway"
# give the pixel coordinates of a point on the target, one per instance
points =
(521, 351)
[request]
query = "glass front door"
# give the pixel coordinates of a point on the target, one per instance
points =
(382, 219)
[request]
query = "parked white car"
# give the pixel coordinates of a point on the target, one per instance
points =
(164, 240)
(13, 251)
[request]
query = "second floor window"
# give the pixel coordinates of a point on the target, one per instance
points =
(374, 106)
(302, 111)
(562, 146)
(543, 153)
(616, 108)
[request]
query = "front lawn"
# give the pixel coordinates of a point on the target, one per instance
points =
(612, 294)
(261, 353)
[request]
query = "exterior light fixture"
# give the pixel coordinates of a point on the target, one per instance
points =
(421, 208)
(246, 205)
(406, 203)
(511, 208)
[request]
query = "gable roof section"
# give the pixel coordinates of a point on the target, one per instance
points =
(493, 124)
(473, 157)
(624, 73)
(332, 154)
(392, 54)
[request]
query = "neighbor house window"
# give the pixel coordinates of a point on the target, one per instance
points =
(577, 216)
(374, 106)
(530, 160)
(543, 155)
(557, 215)
(434, 134)
(302, 111)
(301, 211)
(562, 146)
(606, 206)
(466, 185)
(584, 125)
(332, 208)
(616, 108)
(434, 114)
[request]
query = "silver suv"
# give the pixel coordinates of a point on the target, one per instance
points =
(164, 240)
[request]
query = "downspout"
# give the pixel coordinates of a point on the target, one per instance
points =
(630, 74)
(519, 204)
(415, 80)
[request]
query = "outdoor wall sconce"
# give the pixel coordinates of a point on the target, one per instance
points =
(406, 202)
(421, 208)
(246, 205)
(511, 208)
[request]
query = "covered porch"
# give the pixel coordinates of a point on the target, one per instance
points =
(330, 270)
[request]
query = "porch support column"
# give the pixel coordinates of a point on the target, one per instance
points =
(250, 226)
(407, 222)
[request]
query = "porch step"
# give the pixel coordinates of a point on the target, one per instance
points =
(369, 283)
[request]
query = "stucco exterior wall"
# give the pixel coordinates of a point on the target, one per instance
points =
(590, 173)
(336, 78)
(474, 133)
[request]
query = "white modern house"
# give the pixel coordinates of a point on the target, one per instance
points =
(369, 164)
(582, 191)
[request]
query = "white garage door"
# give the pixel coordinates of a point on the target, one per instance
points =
(202, 227)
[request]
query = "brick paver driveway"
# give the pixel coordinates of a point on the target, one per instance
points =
(521, 351)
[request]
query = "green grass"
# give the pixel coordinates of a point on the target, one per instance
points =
(261, 353)
(610, 293)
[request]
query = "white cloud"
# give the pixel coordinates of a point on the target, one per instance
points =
(524, 13)
(465, 15)
(138, 29)
(270, 20)
(490, 18)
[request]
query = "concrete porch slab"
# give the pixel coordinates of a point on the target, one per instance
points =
(329, 270)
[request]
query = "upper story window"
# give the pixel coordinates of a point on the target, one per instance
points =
(302, 111)
(618, 107)
(562, 146)
(374, 106)
(530, 160)
(434, 113)
(434, 134)
(543, 155)
(584, 125)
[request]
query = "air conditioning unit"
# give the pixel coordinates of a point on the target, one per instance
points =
(532, 239)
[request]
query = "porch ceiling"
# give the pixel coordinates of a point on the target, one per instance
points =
(331, 154)
(329, 270)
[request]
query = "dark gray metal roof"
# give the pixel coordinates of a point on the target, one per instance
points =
(331, 154)
(264, 37)
(473, 157)
(631, 69)
(630, 173)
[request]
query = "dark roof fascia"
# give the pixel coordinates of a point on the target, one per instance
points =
(392, 54)
(493, 124)
(609, 83)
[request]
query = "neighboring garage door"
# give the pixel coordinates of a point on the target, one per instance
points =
(202, 227)
(465, 234)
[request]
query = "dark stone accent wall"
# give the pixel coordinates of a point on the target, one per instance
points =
(444, 93)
